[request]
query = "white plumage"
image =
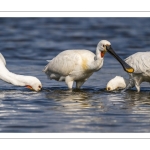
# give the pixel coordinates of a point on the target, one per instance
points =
(140, 61)
(78, 65)
(18, 80)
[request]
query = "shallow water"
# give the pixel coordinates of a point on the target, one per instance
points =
(27, 43)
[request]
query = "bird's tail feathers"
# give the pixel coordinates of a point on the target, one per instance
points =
(44, 70)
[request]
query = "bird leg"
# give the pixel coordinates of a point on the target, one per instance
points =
(69, 82)
(137, 84)
(130, 84)
(138, 81)
(79, 84)
(137, 87)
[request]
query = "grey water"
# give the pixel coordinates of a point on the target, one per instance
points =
(27, 43)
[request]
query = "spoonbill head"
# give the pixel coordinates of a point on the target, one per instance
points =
(33, 83)
(105, 46)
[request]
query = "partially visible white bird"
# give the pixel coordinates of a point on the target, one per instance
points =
(140, 61)
(19, 80)
(79, 65)
(117, 83)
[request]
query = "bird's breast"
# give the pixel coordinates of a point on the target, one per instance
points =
(99, 64)
(84, 64)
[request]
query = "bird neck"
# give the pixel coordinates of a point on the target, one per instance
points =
(15, 79)
(19, 79)
(99, 54)
(98, 61)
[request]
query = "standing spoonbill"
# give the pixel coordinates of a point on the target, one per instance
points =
(140, 61)
(79, 65)
(19, 80)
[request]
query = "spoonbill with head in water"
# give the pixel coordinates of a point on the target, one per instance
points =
(140, 61)
(79, 65)
(19, 80)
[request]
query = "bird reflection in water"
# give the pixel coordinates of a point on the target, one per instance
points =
(131, 100)
(76, 98)
(142, 98)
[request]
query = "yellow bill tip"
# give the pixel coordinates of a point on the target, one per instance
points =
(130, 70)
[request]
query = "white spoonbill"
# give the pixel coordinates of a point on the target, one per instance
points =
(19, 80)
(79, 65)
(140, 61)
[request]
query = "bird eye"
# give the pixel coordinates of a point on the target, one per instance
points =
(103, 45)
(39, 86)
